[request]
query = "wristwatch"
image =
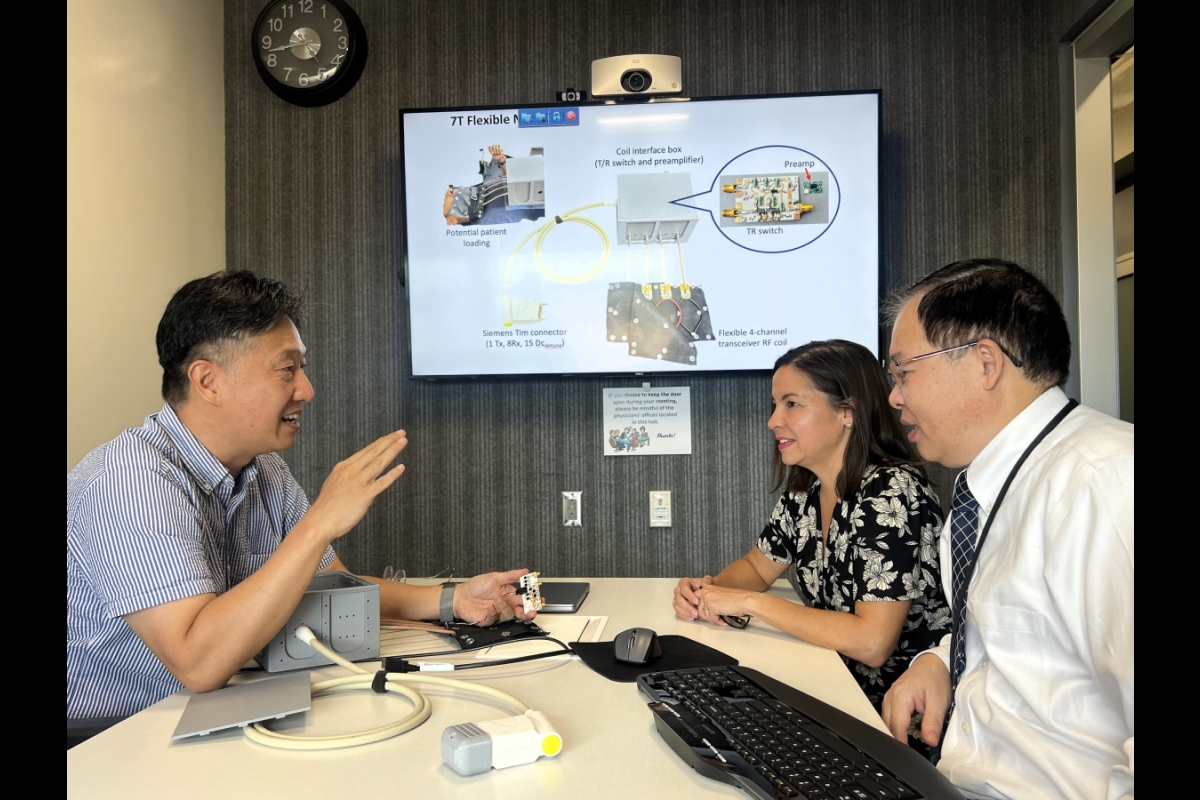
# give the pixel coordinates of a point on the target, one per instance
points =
(446, 603)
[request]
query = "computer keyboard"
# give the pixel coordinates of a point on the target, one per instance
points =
(739, 726)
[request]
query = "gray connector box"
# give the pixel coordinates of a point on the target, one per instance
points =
(342, 610)
(526, 185)
(645, 212)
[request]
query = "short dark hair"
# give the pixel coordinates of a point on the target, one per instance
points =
(208, 315)
(849, 375)
(986, 298)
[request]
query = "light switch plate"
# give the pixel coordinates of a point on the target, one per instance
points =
(660, 509)
(572, 509)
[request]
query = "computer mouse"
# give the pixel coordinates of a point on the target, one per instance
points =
(636, 646)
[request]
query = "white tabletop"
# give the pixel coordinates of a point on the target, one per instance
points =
(609, 740)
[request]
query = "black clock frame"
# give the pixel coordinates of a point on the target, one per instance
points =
(329, 91)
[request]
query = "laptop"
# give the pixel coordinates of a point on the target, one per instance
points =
(564, 597)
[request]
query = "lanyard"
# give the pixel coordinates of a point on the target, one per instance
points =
(956, 629)
(1051, 425)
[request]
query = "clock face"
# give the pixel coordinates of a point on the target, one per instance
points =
(309, 52)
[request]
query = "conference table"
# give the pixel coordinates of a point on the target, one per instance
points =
(610, 745)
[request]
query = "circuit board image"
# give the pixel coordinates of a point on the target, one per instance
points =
(531, 592)
(772, 199)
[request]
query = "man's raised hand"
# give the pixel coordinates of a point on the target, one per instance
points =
(355, 483)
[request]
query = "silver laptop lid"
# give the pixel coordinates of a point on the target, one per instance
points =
(564, 597)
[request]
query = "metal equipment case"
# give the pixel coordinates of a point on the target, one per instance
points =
(342, 610)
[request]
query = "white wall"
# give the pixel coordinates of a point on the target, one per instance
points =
(145, 194)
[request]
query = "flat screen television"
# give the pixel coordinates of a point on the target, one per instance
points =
(619, 239)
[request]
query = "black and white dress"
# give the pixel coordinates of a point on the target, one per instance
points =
(883, 546)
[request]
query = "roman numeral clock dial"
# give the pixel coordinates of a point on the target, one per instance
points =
(309, 52)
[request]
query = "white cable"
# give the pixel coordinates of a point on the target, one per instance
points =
(364, 679)
(543, 230)
(679, 247)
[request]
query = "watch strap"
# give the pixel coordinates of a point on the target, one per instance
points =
(446, 603)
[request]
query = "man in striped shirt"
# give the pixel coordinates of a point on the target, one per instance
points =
(189, 543)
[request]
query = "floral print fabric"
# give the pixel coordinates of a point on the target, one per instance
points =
(883, 547)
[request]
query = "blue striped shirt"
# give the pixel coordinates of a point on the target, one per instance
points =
(153, 517)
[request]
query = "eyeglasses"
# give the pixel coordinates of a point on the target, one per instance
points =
(894, 364)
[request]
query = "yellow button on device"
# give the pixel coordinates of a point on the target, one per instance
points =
(551, 745)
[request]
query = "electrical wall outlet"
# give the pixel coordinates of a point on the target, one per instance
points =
(660, 509)
(572, 509)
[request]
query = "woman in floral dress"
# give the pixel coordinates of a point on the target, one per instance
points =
(857, 520)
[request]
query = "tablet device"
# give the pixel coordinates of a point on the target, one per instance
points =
(245, 703)
(564, 597)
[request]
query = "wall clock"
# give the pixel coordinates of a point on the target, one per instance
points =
(309, 52)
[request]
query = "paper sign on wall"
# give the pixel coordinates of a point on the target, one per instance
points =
(648, 422)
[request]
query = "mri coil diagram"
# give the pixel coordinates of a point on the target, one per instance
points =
(664, 323)
(637, 238)
(654, 318)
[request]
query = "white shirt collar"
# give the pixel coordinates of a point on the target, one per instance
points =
(986, 474)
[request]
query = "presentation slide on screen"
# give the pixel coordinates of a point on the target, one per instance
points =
(690, 236)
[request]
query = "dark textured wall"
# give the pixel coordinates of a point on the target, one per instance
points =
(970, 167)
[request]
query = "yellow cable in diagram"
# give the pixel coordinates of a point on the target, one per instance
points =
(542, 231)
(682, 271)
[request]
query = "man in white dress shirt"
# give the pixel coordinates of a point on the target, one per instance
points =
(1037, 681)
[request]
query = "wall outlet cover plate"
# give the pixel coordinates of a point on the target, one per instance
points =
(572, 509)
